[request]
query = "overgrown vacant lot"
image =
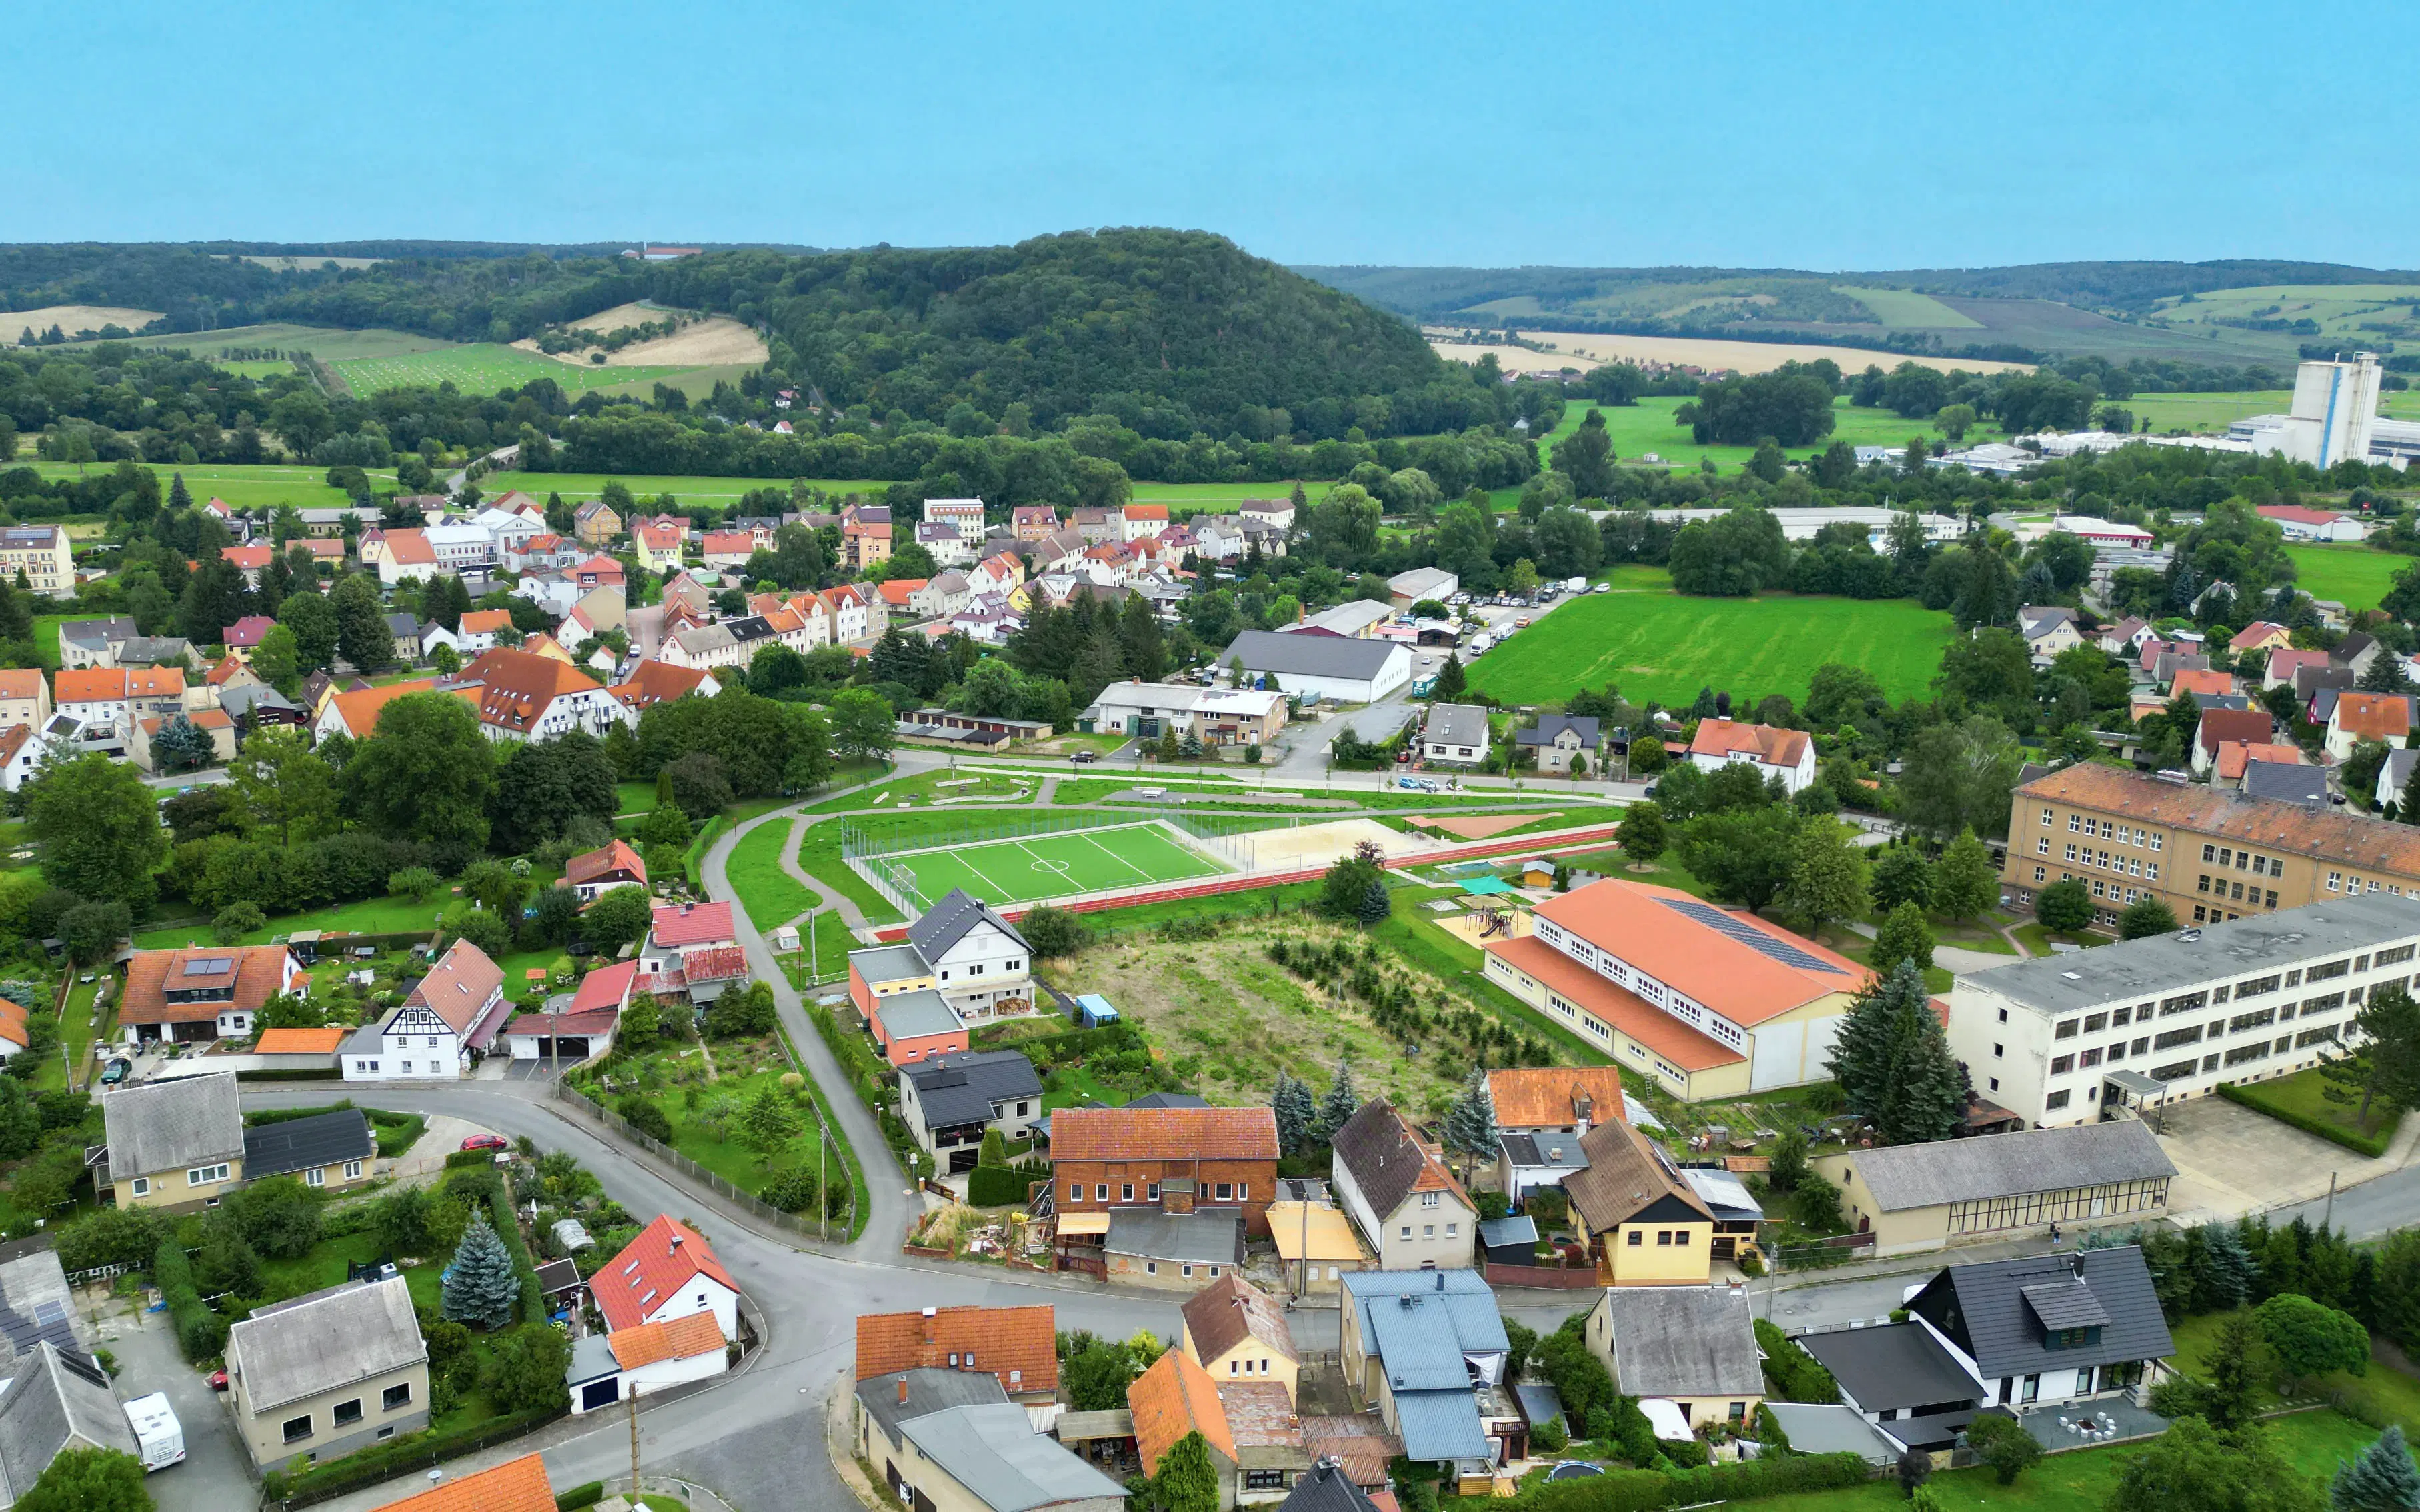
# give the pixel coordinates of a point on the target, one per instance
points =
(1227, 1019)
(1666, 646)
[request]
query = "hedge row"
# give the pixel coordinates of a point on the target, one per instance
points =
(1794, 1374)
(1648, 1491)
(397, 1456)
(200, 1333)
(2251, 1096)
(997, 1186)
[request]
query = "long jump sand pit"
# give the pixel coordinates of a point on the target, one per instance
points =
(1484, 827)
(1320, 845)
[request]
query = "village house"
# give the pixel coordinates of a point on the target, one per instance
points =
(1398, 1191)
(592, 873)
(1236, 1331)
(1789, 754)
(597, 524)
(1161, 1197)
(653, 682)
(451, 1013)
(329, 1372)
(1012, 1347)
(1690, 1351)
(44, 554)
(203, 992)
(1426, 1351)
(1558, 738)
(669, 1272)
(950, 1102)
(526, 696)
(1645, 1225)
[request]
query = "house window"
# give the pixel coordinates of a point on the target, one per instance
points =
(1429, 1199)
(1664, 1238)
(2055, 1100)
(1074, 1191)
(142, 1186)
(298, 1428)
(1185, 1270)
(1452, 1229)
(1126, 1192)
(1226, 1190)
(1408, 1231)
(352, 1170)
(1101, 1192)
(1428, 1230)
(1151, 1193)
(346, 1413)
(1637, 1236)
(206, 1175)
(314, 1177)
(1680, 1237)
(1151, 1268)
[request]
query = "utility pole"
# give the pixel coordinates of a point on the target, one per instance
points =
(2328, 1219)
(822, 1206)
(633, 1400)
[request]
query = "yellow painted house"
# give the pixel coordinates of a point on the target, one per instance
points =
(172, 1145)
(1646, 1226)
(1236, 1331)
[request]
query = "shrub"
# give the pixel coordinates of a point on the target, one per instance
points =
(236, 920)
(587, 1493)
(790, 1191)
(2003, 1443)
(644, 1115)
(996, 1186)
(1793, 1373)
(201, 1333)
(1549, 1438)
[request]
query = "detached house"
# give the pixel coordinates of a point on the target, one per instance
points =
(171, 1145)
(591, 873)
(327, 1373)
(596, 523)
(526, 696)
(1426, 1351)
(1161, 1197)
(2359, 717)
(1788, 754)
(1399, 1195)
(1236, 1331)
(1559, 737)
(950, 1102)
(1645, 1224)
(453, 1011)
(971, 958)
(204, 993)
(1693, 1347)
(668, 1272)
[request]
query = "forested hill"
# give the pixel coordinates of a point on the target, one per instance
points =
(1182, 328)
(1175, 333)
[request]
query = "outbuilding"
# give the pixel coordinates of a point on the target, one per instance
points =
(1346, 671)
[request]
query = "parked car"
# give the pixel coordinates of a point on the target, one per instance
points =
(119, 1069)
(218, 1381)
(1603, 588)
(486, 1141)
(1085, 758)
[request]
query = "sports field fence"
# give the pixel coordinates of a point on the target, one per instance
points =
(876, 850)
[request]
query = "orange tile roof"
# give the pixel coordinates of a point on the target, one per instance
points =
(300, 1042)
(616, 857)
(1632, 919)
(729, 543)
(515, 1486)
(459, 985)
(1146, 511)
(1172, 1398)
(2321, 834)
(1773, 747)
(663, 1259)
(91, 685)
(411, 547)
(2201, 680)
(20, 682)
(360, 708)
(897, 591)
(13, 740)
(322, 545)
(1544, 1096)
(1002, 1341)
(2259, 632)
(682, 1338)
(517, 686)
(486, 621)
(250, 558)
(1659, 1031)
(1163, 1133)
(152, 975)
(2233, 754)
(656, 682)
(2373, 716)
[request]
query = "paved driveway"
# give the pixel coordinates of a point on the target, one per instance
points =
(2232, 1160)
(217, 1474)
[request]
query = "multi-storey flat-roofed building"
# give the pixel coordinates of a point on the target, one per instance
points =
(2212, 854)
(2064, 1040)
(40, 551)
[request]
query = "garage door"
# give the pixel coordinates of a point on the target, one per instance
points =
(598, 1394)
(964, 1160)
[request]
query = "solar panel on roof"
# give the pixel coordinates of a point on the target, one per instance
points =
(217, 965)
(82, 1365)
(1748, 935)
(47, 1322)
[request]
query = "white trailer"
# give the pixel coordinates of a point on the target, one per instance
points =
(157, 1433)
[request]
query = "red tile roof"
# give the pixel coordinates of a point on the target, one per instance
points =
(683, 924)
(616, 859)
(1001, 1341)
(1652, 929)
(2254, 633)
(714, 963)
(248, 631)
(1544, 1096)
(1773, 747)
(300, 1042)
(411, 548)
(655, 682)
(459, 986)
(515, 1486)
(249, 557)
(259, 971)
(2233, 754)
(1163, 1133)
(606, 987)
(729, 543)
(486, 621)
(2201, 680)
(667, 1256)
(20, 682)
(2371, 715)
(1659, 1031)
(1172, 1398)
(517, 686)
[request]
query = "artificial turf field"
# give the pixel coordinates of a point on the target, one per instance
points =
(1053, 866)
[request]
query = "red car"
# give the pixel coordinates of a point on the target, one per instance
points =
(218, 1381)
(485, 1141)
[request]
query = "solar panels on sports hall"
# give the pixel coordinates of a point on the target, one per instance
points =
(1748, 935)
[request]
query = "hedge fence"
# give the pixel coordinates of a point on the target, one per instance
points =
(2255, 1097)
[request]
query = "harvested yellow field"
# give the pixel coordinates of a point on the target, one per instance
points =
(72, 318)
(284, 264)
(704, 341)
(1572, 349)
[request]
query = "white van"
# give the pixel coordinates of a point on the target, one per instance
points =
(157, 1433)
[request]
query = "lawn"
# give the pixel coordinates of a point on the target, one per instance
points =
(392, 915)
(75, 1038)
(2354, 576)
(676, 1079)
(645, 487)
(1648, 426)
(2204, 412)
(2394, 1394)
(485, 367)
(243, 485)
(327, 343)
(1667, 647)
(1052, 866)
(2301, 1098)
(2078, 1480)
(634, 798)
(771, 895)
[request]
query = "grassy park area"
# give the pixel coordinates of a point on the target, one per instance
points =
(2300, 1100)
(2354, 576)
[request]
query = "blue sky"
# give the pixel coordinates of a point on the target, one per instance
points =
(1873, 135)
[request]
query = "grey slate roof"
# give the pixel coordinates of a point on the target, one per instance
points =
(1214, 1236)
(1311, 656)
(300, 1144)
(52, 1404)
(910, 1014)
(1585, 727)
(993, 1452)
(1892, 1366)
(2164, 963)
(1997, 1312)
(2293, 782)
(949, 921)
(1684, 1341)
(1555, 1152)
(324, 1340)
(961, 1088)
(1455, 724)
(250, 698)
(2007, 1165)
(930, 1389)
(889, 963)
(172, 1125)
(1384, 1160)
(1168, 1100)
(1326, 1489)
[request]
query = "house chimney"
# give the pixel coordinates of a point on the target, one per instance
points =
(902, 1389)
(1441, 1275)
(2075, 1263)
(931, 1325)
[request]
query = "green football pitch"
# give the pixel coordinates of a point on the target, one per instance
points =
(1050, 866)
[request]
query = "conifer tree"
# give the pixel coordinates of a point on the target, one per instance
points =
(1471, 1123)
(179, 497)
(2222, 1269)
(1297, 1115)
(1337, 1108)
(1186, 1480)
(1450, 679)
(2383, 1479)
(1903, 936)
(1893, 1063)
(480, 1287)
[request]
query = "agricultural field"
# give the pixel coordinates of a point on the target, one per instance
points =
(243, 485)
(2354, 576)
(330, 344)
(71, 319)
(2347, 311)
(485, 367)
(1585, 351)
(2204, 413)
(1666, 647)
(645, 487)
(1906, 310)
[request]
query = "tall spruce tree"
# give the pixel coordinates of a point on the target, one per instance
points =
(1337, 1108)
(1471, 1123)
(2223, 1271)
(480, 1287)
(1297, 1115)
(2381, 1479)
(1893, 1063)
